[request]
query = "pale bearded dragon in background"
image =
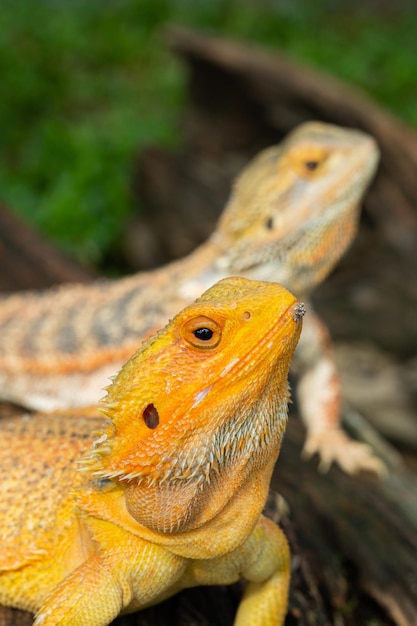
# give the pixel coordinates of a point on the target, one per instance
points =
(293, 212)
(173, 489)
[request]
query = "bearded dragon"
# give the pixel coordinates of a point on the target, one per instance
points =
(171, 492)
(292, 214)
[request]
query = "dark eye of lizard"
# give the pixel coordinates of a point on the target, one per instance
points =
(311, 165)
(269, 223)
(204, 334)
(201, 332)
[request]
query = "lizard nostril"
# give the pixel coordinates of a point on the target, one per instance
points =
(299, 311)
(246, 315)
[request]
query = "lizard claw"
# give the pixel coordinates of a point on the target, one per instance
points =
(335, 447)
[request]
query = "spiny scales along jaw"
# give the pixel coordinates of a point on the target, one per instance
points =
(209, 366)
(289, 191)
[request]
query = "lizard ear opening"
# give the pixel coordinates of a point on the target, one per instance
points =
(151, 416)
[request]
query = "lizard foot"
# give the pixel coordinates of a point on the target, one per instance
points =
(334, 446)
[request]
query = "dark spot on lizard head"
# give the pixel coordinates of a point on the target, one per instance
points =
(269, 223)
(102, 483)
(151, 416)
(311, 165)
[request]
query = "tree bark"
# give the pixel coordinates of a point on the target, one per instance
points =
(28, 261)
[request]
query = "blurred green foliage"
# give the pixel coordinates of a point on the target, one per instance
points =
(85, 84)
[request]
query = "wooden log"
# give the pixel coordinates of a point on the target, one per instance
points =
(28, 261)
(359, 536)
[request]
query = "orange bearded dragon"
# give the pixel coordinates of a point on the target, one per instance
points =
(292, 214)
(171, 492)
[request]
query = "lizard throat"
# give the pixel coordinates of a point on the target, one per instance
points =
(245, 435)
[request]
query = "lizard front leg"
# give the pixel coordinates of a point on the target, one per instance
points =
(264, 561)
(265, 600)
(125, 574)
(319, 395)
(90, 595)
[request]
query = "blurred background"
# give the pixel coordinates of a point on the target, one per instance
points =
(87, 85)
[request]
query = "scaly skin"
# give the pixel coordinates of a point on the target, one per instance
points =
(170, 494)
(292, 214)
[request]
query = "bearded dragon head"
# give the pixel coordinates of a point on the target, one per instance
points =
(207, 392)
(295, 207)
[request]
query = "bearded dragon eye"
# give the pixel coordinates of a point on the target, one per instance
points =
(307, 160)
(269, 223)
(311, 165)
(204, 334)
